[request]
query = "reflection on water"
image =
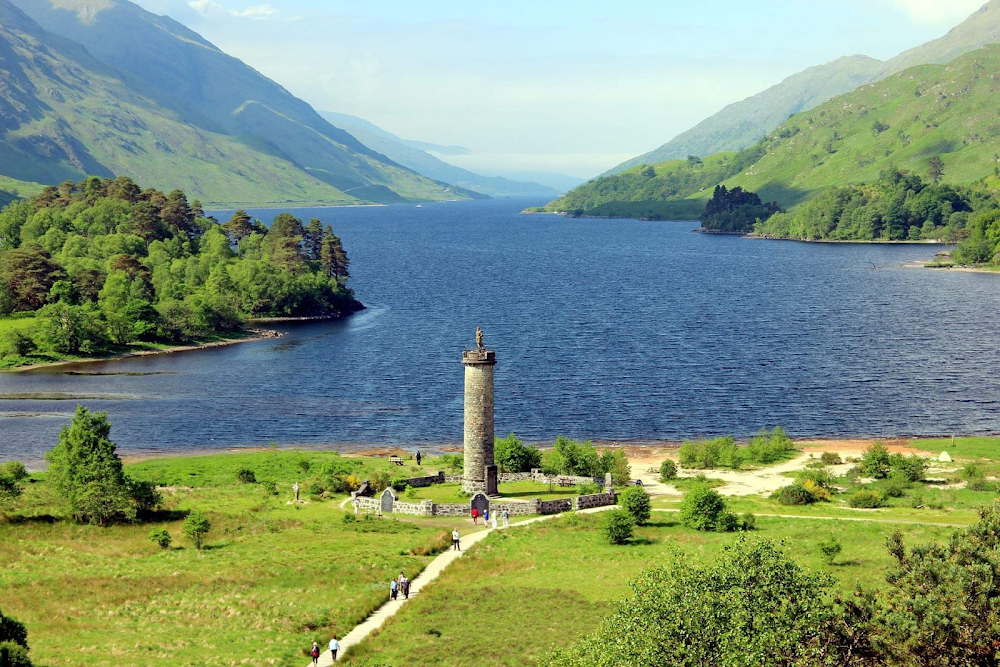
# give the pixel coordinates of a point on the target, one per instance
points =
(623, 330)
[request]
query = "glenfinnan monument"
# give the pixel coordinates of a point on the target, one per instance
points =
(480, 473)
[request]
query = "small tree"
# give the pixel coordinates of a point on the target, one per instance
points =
(16, 470)
(704, 509)
(196, 527)
(160, 536)
(876, 462)
(617, 525)
(511, 455)
(935, 169)
(830, 549)
(13, 643)
(668, 470)
(635, 501)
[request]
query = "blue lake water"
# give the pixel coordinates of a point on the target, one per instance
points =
(606, 329)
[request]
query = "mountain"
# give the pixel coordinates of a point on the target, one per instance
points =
(741, 124)
(409, 155)
(176, 69)
(65, 115)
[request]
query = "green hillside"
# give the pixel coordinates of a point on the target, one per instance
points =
(11, 189)
(949, 111)
(181, 71)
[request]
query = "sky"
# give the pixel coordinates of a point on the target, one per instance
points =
(549, 85)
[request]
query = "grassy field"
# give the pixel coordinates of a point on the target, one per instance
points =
(523, 592)
(273, 577)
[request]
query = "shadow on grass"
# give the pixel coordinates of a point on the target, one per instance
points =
(20, 519)
(162, 515)
(661, 524)
(640, 542)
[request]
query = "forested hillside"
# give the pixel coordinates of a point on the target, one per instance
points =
(88, 268)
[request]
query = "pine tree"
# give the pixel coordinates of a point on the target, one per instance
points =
(314, 239)
(936, 169)
(239, 227)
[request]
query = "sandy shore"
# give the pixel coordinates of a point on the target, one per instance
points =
(261, 335)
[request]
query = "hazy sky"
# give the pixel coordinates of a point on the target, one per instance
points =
(572, 87)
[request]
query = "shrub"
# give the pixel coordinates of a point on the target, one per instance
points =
(511, 455)
(196, 527)
(269, 486)
(702, 508)
(380, 481)
(399, 483)
(865, 499)
(894, 487)
(796, 494)
(668, 470)
(830, 458)
(15, 470)
(910, 467)
(635, 501)
(727, 522)
(411, 492)
(876, 462)
(349, 518)
(13, 643)
(748, 522)
(617, 525)
(588, 488)
(819, 493)
(819, 476)
(978, 484)
(160, 536)
(9, 488)
(768, 447)
(246, 476)
(144, 495)
(304, 465)
(830, 548)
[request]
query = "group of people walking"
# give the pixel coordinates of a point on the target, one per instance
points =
(334, 648)
(505, 515)
(399, 585)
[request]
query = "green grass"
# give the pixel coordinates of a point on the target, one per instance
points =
(273, 578)
(965, 448)
(523, 592)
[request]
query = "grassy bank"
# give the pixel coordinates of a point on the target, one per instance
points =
(273, 577)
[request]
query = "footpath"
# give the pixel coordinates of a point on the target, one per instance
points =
(429, 574)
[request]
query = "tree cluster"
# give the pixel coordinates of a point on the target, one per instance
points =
(572, 457)
(898, 206)
(13, 643)
(104, 264)
(512, 455)
(765, 447)
(755, 606)
(735, 210)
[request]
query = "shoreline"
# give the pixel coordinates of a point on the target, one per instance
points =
(958, 268)
(260, 335)
(847, 241)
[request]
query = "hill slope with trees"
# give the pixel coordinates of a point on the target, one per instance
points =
(87, 269)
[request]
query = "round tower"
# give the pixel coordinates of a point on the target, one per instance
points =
(480, 471)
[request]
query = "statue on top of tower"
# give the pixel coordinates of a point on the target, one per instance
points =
(479, 338)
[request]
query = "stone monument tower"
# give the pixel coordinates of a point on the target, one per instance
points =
(480, 473)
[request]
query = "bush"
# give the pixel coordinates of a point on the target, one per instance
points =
(13, 643)
(511, 455)
(160, 536)
(978, 484)
(635, 501)
(9, 488)
(617, 525)
(865, 499)
(830, 458)
(349, 518)
(380, 481)
(819, 493)
(399, 483)
(15, 470)
(196, 527)
(830, 549)
(411, 492)
(894, 487)
(796, 494)
(668, 470)
(144, 495)
(876, 462)
(246, 476)
(304, 465)
(588, 488)
(911, 467)
(269, 486)
(748, 522)
(703, 509)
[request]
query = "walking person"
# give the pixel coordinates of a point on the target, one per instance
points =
(493, 521)
(315, 653)
(475, 515)
(486, 517)
(356, 503)
(404, 585)
(506, 518)
(418, 457)
(454, 540)
(393, 589)
(334, 647)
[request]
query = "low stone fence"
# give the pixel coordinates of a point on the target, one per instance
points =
(372, 505)
(451, 479)
(555, 506)
(594, 500)
(417, 482)
(536, 475)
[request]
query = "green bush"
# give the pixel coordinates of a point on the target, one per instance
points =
(511, 455)
(894, 486)
(830, 458)
(635, 501)
(876, 461)
(9, 488)
(704, 509)
(13, 643)
(399, 483)
(15, 470)
(588, 488)
(911, 467)
(246, 476)
(160, 536)
(350, 518)
(304, 465)
(380, 481)
(411, 492)
(269, 486)
(617, 525)
(795, 494)
(668, 470)
(748, 522)
(145, 497)
(830, 548)
(865, 499)
(196, 527)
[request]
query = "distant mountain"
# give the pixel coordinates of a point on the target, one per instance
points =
(438, 148)
(741, 124)
(65, 115)
(407, 154)
(179, 70)
(554, 180)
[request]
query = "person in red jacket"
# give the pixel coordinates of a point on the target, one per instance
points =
(475, 515)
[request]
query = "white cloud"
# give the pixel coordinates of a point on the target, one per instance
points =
(211, 9)
(936, 12)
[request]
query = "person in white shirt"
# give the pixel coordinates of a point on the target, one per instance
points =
(506, 518)
(295, 488)
(334, 647)
(493, 521)
(454, 540)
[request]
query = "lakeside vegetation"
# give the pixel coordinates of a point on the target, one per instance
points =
(101, 267)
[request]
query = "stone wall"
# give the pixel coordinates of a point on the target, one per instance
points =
(418, 482)
(451, 509)
(594, 500)
(369, 505)
(555, 506)
(536, 475)
(515, 508)
(452, 479)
